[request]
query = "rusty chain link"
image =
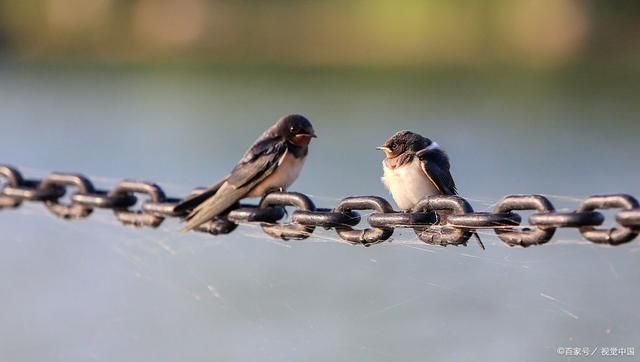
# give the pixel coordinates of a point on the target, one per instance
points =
(438, 220)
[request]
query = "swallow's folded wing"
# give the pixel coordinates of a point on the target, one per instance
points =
(440, 177)
(258, 162)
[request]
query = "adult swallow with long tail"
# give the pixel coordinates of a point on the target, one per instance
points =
(416, 167)
(273, 162)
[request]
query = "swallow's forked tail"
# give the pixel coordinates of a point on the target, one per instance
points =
(475, 234)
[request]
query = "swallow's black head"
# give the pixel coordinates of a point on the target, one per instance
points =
(404, 141)
(295, 129)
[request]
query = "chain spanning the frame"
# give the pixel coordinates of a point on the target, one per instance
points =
(439, 220)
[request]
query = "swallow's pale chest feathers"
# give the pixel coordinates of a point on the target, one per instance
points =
(407, 183)
(288, 169)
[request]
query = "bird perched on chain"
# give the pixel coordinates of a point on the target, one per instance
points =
(272, 163)
(416, 167)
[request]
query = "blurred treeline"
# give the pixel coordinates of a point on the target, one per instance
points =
(529, 33)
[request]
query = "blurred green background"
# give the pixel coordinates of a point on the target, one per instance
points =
(545, 34)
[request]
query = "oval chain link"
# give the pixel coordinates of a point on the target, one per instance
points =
(444, 234)
(525, 236)
(615, 235)
(287, 231)
(367, 236)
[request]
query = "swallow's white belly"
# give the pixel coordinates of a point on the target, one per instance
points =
(287, 171)
(408, 184)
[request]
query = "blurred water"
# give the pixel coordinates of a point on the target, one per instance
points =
(93, 290)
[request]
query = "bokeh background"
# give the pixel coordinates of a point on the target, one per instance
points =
(544, 33)
(527, 96)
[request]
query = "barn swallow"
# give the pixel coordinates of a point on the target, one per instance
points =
(273, 162)
(416, 167)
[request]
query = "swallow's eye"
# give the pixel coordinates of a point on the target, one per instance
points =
(294, 130)
(394, 146)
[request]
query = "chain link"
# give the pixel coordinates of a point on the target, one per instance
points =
(614, 235)
(526, 236)
(439, 220)
(441, 233)
(367, 236)
(287, 231)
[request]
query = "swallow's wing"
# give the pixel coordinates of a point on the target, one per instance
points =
(441, 177)
(435, 165)
(259, 162)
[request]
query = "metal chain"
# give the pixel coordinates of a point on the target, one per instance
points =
(439, 220)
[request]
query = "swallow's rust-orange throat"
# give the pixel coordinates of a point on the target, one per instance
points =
(301, 139)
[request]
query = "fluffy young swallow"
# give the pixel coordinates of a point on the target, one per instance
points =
(416, 167)
(273, 162)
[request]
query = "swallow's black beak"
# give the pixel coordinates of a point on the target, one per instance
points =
(388, 153)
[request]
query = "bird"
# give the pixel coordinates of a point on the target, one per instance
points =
(272, 163)
(416, 167)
